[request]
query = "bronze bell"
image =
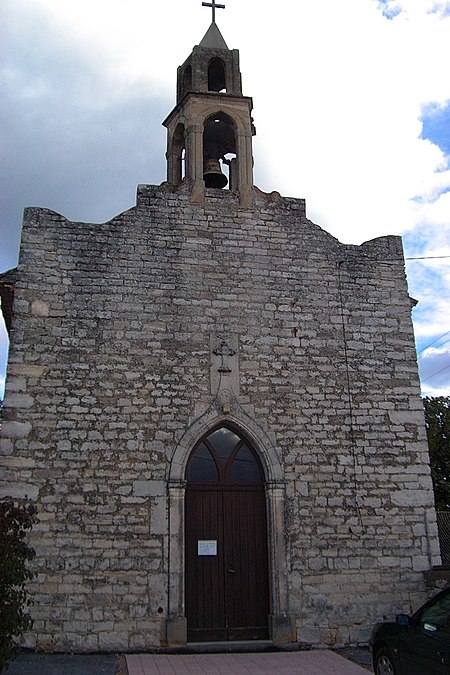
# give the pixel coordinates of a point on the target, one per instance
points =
(212, 174)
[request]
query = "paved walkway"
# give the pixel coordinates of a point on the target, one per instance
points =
(316, 662)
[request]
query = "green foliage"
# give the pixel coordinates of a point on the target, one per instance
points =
(15, 553)
(437, 420)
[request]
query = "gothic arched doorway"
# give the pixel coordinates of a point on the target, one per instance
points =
(227, 594)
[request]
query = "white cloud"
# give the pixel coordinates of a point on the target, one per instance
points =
(434, 366)
(414, 8)
(438, 211)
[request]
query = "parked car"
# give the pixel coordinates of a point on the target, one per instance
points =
(415, 645)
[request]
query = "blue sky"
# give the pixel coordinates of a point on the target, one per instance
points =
(436, 126)
(351, 105)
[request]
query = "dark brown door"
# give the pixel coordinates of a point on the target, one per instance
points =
(226, 541)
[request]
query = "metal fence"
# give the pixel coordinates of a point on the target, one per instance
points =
(443, 523)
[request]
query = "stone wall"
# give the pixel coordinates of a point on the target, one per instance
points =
(110, 367)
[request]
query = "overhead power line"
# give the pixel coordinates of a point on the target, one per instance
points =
(436, 373)
(429, 257)
(432, 343)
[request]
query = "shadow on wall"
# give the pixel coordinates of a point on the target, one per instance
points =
(4, 346)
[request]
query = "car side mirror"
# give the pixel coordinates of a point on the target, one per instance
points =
(402, 619)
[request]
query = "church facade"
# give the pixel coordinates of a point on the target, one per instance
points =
(215, 406)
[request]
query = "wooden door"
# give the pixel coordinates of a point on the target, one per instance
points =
(226, 541)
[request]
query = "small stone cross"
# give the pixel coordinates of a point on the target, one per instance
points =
(213, 6)
(224, 350)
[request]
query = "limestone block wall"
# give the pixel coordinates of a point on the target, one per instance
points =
(110, 366)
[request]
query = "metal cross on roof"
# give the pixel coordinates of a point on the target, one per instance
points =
(213, 6)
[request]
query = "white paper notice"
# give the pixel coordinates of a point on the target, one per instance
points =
(207, 547)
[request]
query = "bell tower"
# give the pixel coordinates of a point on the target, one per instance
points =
(209, 132)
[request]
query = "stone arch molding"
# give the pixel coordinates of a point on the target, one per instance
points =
(181, 122)
(213, 417)
(281, 623)
(235, 114)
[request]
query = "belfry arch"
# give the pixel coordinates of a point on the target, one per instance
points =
(219, 149)
(217, 75)
(280, 623)
(175, 160)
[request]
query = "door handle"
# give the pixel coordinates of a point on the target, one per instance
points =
(231, 570)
